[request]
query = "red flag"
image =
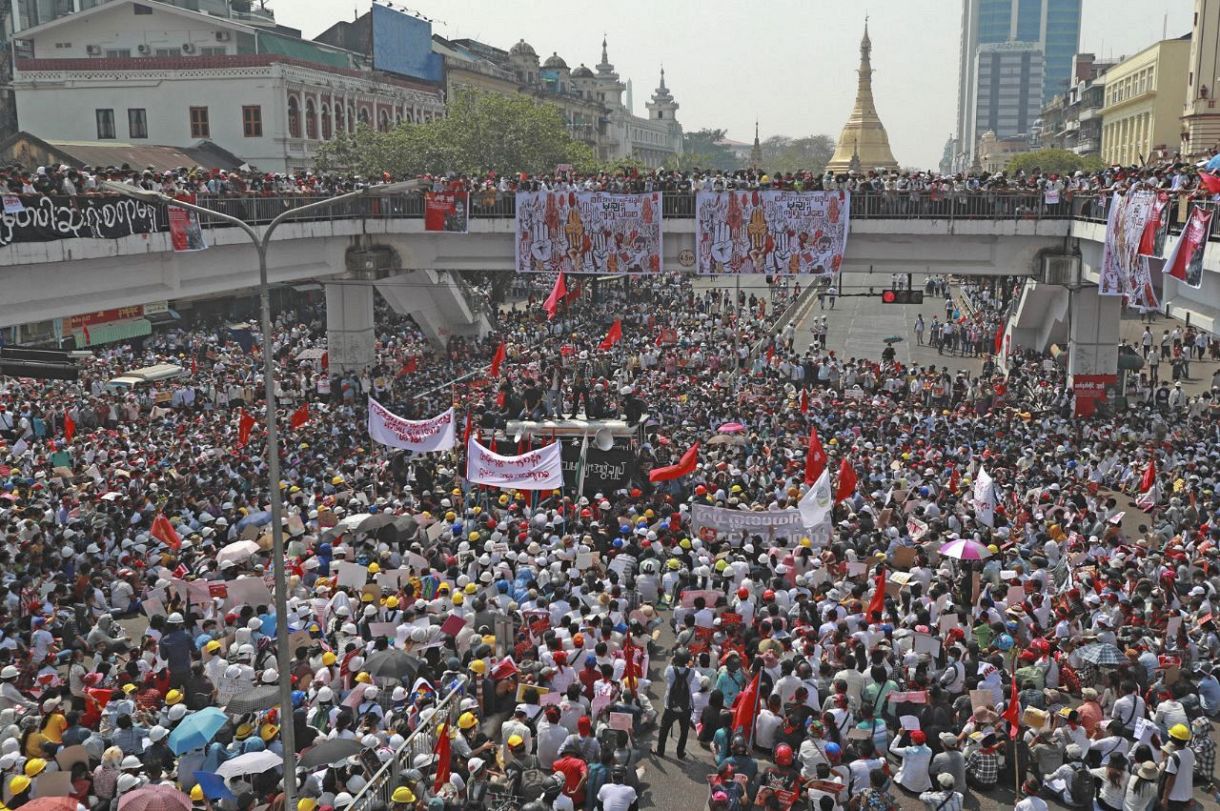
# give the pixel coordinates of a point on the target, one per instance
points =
(999, 339)
(326, 361)
(69, 427)
(876, 604)
(558, 292)
(804, 401)
(497, 360)
(85, 330)
(847, 482)
(573, 294)
(443, 756)
(631, 667)
(408, 366)
(1210, 182)
(469, 428)
(770, 352)
(815, 458)
(1012, 713)
(194, 366)
(504, 668)
(745, 707)
(300, 416)
(613, 336)
(164, 532)
(501, 396)
(1149, 478)
(955, 480)
(245, 424)
(685, 466)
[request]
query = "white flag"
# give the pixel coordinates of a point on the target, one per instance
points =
(984, 498)
(816, 504)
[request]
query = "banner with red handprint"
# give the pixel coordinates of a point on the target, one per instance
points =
(771, 232)
(588, 232)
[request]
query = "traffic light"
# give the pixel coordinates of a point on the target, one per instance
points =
(902, 297)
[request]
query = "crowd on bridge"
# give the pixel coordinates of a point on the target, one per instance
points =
(929, 635)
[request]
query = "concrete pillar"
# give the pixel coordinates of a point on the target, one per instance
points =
(349, 326)
(1093, 336)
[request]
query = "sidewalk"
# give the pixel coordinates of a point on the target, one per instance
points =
(1131, 329)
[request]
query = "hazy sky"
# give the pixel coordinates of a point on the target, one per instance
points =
(791, 63)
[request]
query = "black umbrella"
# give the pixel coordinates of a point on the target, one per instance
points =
(375, 522)
(404, 528)
(335, 750)
(392, 664)
(263, 697)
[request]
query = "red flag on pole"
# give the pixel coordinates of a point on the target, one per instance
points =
(1012, 713)
(999, 338)
(300, 416)
(876, 604)
(685, 466)
(804, 401)
(164, 532)
(443, 757)
(847, 482)
(745, 707)
(1210, 182)
(613, 336)
(815, 458)
(69, 427)
(245, 424)
(469, 428)
(558, 293)
(497, 360)
(1149, 477)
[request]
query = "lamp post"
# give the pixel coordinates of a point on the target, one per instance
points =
(283, 655)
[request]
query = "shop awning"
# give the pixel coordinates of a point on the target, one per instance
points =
(112, 331)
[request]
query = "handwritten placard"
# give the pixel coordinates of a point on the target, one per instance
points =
(621, 721)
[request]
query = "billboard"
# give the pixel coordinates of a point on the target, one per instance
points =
(402, 44)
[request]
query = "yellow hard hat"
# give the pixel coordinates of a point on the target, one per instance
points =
(35, 766)
(478, 666)
(329, 658)
(364, 678)
(244, 731)
(391, 601)
(197, 794)
(211, 647)
(721, 565)
(268, 732)
(443, 587)
(467, 721)
(684, 543)
(471, 588)
(18, 784)
(476, 509)
(402, 794)
(515, 740)
(735, 488)
(129, 688)
(649, 513)
(336, 481)
(993, 549)
(307, 804)
(366, 598)
(503, 499)
(450, 517)
(174, 696)
(459, 598)
(1179, 732)
(674, 563)
(474, 536)
(374, 568)
(805, 542)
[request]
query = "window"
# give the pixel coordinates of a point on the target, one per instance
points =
(326, 123)
(252, 121)
(118, 53)
(199, 123)
(137, 122)
(311, 121)
(105, 124)
(136, 8)
(218, 50)
(294, 118)
(165, 52)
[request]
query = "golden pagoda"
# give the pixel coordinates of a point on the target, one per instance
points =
(863, 143)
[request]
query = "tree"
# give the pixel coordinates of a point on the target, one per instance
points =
(703, 149)
(783, 154)
(1054, 161)
(482, 132)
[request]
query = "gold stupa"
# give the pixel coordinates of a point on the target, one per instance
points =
(863, 143)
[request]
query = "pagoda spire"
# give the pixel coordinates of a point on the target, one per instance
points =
(756, 151)
(863, 136)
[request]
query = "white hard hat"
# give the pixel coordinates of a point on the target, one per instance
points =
(174, 618)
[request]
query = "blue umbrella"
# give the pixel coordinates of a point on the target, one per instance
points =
(197, 730)
(254, 520)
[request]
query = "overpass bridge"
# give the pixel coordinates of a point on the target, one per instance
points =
(357, 245)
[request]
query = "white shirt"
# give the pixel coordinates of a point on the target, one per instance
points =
(616, 796)
(1183, 784)
(1031, 804)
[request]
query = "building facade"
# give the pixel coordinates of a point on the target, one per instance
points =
(158, 74)
(1200, 115)
(1009, 82)
(863, 143)
(1072, 121)
(1144, 97)
(1053, 26)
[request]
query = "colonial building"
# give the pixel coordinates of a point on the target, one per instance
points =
(1144, 97)
(153, 73)
(1200, 116)
(863, 143)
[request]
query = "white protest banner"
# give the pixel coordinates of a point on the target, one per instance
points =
(418, 436)
(984, 498)
(779, 232)
(537, 470)
(588, 232)
(779, 522)
(916, 528)
(1129, 214)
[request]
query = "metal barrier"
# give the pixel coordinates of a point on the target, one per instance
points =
(420, 742)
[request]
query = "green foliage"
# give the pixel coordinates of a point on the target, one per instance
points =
(1054, 161)
(482, 132)
(700, 149)
(783, 154)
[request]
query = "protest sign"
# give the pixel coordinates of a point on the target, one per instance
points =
(417, 436)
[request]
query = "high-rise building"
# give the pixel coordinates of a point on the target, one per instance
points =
(1053, 26)
(1201, 116)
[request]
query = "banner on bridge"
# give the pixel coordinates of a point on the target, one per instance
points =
(447, 212)
(588, 232)
(49, 219)
(1122, 270)
(771, 232)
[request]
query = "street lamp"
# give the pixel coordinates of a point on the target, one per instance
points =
(283, 654)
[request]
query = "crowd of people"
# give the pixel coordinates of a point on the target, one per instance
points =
(984, 572)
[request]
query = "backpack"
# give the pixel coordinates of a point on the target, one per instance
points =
(1083, 786)
(679, 694)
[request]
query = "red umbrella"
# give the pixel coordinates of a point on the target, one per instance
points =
(155, 798)
(51, 804)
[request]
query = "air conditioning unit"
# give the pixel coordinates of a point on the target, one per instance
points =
(1062, 270)
(223, 36)
(144, 50)
(93, 50)
(188, 48)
